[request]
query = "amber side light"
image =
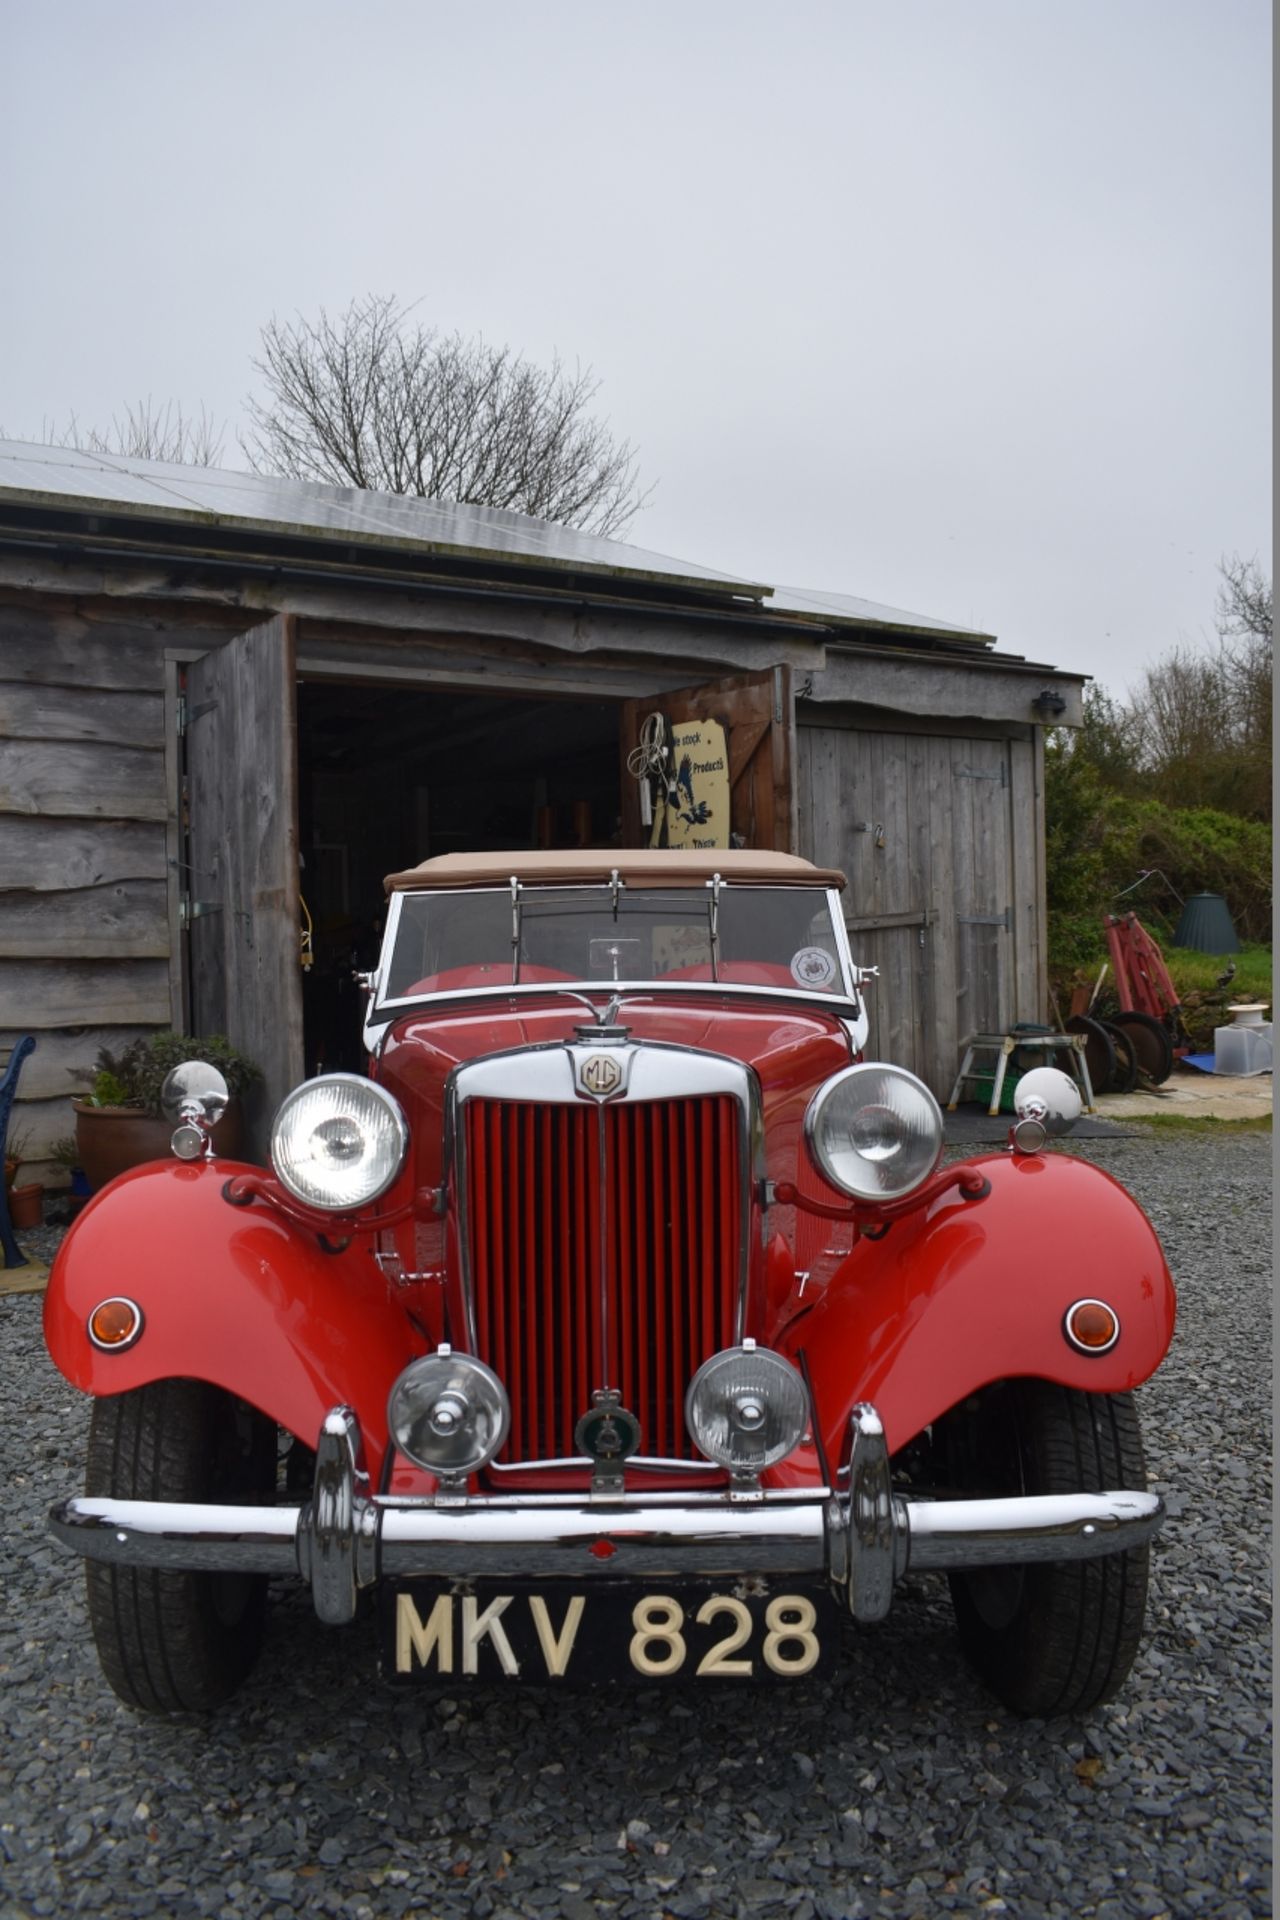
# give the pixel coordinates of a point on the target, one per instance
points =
(1092, 1326)
(114, 1324)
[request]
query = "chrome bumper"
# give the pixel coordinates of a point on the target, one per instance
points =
(863, 1537)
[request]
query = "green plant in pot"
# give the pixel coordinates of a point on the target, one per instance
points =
(119, 1121)
(25, 1201)
(15, 1151)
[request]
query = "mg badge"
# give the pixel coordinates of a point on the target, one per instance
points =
(600, 1075)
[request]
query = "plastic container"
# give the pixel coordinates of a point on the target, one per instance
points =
(983, 1085)
(1242, 1050)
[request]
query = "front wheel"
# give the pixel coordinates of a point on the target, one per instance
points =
(175, 1642)
(1054, 1637)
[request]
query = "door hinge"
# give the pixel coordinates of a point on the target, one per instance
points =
(189, 910)
(984, 919)
(982, 773)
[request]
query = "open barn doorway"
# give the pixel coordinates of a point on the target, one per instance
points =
(388, 776)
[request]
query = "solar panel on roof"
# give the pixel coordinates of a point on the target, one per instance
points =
(39, 475)
(845, 606)
(157, 489)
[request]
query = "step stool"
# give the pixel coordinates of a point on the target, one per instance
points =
(1004, 1045)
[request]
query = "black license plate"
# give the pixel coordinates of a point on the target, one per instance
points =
(606, 1633)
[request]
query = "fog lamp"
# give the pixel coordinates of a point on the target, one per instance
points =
(746, 1408)
(449, 1413)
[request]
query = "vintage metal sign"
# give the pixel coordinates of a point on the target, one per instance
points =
(696, 813)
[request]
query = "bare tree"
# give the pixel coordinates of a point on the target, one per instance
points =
(1244, 601)
(1202, 719)
(373, 399)
(1244, 626)
(149, 432)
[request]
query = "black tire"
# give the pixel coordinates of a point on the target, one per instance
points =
(1056, 1637)
(1125, 1077)
(1099, 1051)
(177, 1642)
(1151, 1042)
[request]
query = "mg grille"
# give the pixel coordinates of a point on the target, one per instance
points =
(605, 1247)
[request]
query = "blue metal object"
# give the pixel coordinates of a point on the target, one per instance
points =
(13, 1254)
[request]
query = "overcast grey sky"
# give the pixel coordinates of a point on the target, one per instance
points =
(961, 305)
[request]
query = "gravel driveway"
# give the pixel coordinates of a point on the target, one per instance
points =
(902, 1790)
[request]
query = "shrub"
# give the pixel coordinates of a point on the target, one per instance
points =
(1099, 841)
(134, 1077)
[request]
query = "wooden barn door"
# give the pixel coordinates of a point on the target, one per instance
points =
(241, 910)
(757, 712)
(922, 826)
(866, 810)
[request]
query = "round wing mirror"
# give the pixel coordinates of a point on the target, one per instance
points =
(194, 1093)
(1050, 1096)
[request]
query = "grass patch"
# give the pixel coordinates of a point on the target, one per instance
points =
(1198, 1123)
(1194, 972)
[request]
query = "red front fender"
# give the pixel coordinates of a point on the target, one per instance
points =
(974, 1291)
(239, 1296)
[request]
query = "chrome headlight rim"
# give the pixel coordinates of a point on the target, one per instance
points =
(870, 1193)
(390, 1113)
(697, 1419)
(449, 1368)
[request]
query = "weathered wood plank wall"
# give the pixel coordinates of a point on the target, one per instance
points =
(939, 834)
(85, 798)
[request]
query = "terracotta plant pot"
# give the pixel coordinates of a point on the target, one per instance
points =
(110, 1140)
(26, 1206)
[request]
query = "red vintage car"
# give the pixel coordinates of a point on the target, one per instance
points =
(622, 1324)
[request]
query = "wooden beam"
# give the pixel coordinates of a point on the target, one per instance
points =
(126, 920)
(81, 779)
(38, 994)
(870, 720)
(44, 855)
(43, 646)
(962, 689)
(77, 713)
(717, 645)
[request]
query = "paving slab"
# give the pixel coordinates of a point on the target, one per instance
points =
(1206, 1096)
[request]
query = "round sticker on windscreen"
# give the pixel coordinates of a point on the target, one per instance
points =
(813, 967)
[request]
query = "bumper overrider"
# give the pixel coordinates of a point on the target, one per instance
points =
(863, 1536)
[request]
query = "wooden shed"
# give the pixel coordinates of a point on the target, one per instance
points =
(229, 704)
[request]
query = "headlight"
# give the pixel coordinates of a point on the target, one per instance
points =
(449, 1413)
(746, 1408)
(876, 1132)
(339, 1142)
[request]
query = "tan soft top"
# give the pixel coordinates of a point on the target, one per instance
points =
(638, 866)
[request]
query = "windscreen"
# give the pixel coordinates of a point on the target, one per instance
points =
(460, 941)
